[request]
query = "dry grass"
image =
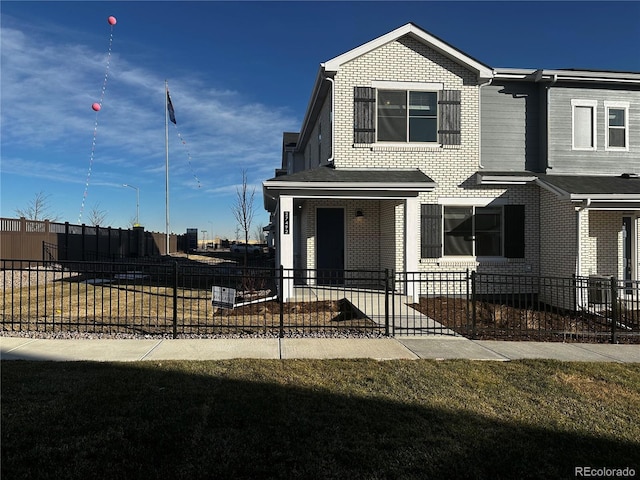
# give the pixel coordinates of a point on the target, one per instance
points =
(146, 308)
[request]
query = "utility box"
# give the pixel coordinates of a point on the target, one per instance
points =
(599, 289)
(192, 239)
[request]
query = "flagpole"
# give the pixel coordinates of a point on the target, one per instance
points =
(166, 165)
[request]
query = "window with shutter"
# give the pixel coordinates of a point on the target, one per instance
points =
(431, 230)
(472, 231)
(364, 115)
(514, 238)
(450, 117)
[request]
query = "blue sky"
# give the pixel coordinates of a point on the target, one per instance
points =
(240, 73)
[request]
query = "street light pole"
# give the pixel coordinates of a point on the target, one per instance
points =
(137, 201)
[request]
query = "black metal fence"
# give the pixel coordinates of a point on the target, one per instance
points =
(182, 297)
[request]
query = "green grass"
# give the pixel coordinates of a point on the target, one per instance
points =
(344, 419)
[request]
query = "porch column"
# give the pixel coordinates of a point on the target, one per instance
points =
(285, 244)
(411, 242)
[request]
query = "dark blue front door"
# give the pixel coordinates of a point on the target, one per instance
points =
(330, 245)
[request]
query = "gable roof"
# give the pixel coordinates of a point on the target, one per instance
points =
(411, 29)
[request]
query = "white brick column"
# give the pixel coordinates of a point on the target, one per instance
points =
(411, 246)
(285, 244)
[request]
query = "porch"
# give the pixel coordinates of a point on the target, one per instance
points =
(327, 221)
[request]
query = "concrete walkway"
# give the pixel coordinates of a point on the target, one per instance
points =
(370, 303)
(426, 347)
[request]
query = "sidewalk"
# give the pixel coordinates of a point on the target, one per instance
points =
(426, 347)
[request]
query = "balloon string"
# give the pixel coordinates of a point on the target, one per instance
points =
(186, 146)
(95, 127)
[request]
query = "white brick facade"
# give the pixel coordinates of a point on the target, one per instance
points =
(561, 237)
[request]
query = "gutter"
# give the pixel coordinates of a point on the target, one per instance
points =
(408, 186)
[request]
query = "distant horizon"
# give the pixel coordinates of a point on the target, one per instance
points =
(240, 75)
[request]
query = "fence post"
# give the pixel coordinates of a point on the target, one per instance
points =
(175, 300)
(281, 300)
(66, 241)
(386, 302)
(614, 309)
(473, 305)
(84, 245)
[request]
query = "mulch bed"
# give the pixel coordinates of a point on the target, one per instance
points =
(505, 322)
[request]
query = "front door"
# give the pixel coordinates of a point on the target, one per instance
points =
(330, 246)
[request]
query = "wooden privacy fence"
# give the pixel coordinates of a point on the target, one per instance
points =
(23, 239)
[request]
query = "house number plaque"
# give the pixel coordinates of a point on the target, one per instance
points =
(286, 223)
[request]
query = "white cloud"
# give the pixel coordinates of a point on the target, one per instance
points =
(47, 92)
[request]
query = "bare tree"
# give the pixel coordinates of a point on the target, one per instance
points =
(96, 215)
(39, 208)
(259, 233)
(243, 210)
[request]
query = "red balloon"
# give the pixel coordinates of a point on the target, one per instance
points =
(96, 107)
(112, 20)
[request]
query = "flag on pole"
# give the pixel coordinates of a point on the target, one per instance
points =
(172, 115)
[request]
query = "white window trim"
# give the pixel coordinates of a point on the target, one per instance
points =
(617, 105)
(421, 87)
(472, 201)
(594, 120)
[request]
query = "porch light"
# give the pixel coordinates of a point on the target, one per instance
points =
(359, 214)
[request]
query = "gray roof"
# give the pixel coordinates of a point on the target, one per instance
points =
(329, 174)
(595, 185)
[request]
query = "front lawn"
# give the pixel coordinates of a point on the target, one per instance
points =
(309, 419)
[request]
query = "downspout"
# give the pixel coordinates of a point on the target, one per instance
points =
(333, 128)
(480, 121)
(578, 250)
(554, 79)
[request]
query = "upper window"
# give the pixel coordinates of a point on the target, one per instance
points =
(415, 114)
(407, 116)
(617, 118)
(584, 124)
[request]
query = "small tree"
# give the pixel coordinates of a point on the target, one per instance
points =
(259, 234)
(38, 209)
(243, 210)
(96, 215)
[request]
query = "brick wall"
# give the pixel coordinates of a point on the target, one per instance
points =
(558, 225)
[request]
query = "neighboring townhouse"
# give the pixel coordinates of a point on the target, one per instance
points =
(416, 157)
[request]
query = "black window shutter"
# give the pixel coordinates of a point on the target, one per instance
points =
(430, 230)
(514, 231)
(364, 115)
(450, 108)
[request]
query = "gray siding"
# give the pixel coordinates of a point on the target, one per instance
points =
(562, 159)
(510, 126)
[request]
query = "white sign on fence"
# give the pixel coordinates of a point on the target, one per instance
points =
(223, 297)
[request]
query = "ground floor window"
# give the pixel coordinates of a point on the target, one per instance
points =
(481, 231)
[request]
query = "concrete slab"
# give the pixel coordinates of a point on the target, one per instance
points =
(619, 353)
(324, 348)
(95, 350)
(448, 347)
(7, 344)
(550, 350)
(216, 349)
